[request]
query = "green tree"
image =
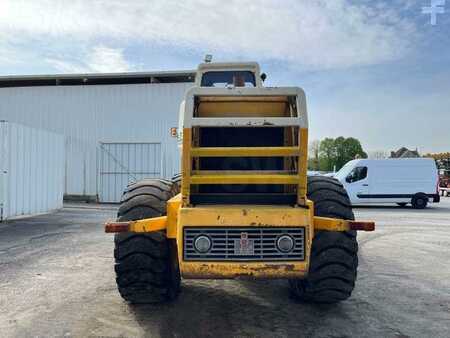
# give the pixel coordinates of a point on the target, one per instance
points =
(341, 150)
(353, 149)
(335, 153)
(327, 154)
(314, 150)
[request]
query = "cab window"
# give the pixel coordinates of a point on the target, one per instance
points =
(228, 78)
(357, 174)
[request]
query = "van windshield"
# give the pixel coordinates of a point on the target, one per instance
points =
(344, 171)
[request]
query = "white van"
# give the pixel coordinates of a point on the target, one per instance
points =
(401, 181)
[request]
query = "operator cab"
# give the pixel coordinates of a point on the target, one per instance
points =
(223, 75)
(227, 109)
(229, 75)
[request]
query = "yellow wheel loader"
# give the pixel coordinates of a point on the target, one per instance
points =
(243, 206)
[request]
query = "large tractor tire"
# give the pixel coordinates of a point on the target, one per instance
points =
(176, 180)
(334, 260)
(146, 264)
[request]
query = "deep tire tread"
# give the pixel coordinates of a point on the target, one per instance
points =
(144, 267)
(176, 180)
(334, 260)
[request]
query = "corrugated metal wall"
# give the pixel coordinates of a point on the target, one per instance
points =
(32, 167)
(3, 167)
(88, 115)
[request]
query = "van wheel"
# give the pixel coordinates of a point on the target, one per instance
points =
(334, 259)
(402, 204)
(419, 201)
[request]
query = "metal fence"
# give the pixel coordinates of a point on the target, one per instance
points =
(122, 163)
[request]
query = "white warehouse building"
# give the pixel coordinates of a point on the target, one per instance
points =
(116, 127)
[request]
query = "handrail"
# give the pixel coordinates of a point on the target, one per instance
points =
(244, 179)
(245, 151)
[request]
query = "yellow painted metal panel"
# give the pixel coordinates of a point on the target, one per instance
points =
(245, 179)
(149, 224)
(243, 109)
(226, 215)
(232, 216)
(235, 216)
(302, 166)
(245, 151)
(243, 99)
(330, 224)
(250, 270)
(186, 165)
(241, 172)
(173, 207)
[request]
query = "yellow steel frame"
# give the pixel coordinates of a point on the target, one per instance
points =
(243, 106)
(148, 225)
(244, 179)
(186, 166)
(179, 217)
(229, 177)
(302, 166)
(170, 224)
(173, 208)
(180, 214)
(233, 216)
(245, 152)
(330, 224)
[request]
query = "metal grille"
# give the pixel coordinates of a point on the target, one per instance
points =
(226, 240)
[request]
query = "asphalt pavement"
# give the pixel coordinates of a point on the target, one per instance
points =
(57, 280)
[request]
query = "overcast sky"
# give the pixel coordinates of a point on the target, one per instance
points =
(375, 70)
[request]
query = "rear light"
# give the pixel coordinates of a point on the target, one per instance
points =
(361, 225)
(112, 227)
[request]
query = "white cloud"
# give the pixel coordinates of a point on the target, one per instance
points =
(64, 66)
(104, 59)
(315, 34)
(99, 59)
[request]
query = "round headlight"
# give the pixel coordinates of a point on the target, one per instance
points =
(202, 244)
(285, 243)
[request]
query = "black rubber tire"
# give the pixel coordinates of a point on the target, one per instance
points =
(146, 264)
(403, 204)
(334, 255)
(176, 180)
(419, 201)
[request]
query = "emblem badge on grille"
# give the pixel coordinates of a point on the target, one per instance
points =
(244, 246)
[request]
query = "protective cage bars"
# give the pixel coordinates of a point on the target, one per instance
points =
(293, 152)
